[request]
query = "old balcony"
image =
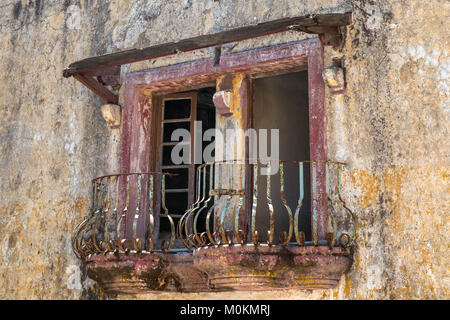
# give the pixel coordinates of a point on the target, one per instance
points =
(244, 230)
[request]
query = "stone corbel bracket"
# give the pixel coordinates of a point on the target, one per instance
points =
(334, 77)
(222, 101)
(111, 113)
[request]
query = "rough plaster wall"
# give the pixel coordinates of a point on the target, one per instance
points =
(50, 148)
(391, 127)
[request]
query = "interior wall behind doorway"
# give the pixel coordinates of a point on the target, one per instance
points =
(281, 102)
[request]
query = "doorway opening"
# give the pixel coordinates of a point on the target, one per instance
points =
(281, 102)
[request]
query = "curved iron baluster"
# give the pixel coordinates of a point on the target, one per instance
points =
(254, 205)
(119, 229)
(81, 229)
(86, 245)
(108, 206)
(136, 241)
(75, 239)
(84, 232)
(115, 212)
(194, 226)
(331, 237)
(182, 223)
(352, 240)
(298, 236)
(271, 230)
(196, 205)
(208, 231)
(227, 200)
(213, 208)
(119, 242)
(238, 206)
(151, 219)
(288, 209)
(104, 214)
(314, 196)
(166, 215)
(205, 204)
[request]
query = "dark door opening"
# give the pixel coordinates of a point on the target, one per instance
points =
(281, 102)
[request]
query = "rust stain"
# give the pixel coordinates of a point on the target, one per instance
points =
(348, 286)
(370, 185)
(219, 81)
(236, 107)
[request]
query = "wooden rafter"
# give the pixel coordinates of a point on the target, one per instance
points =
(98, 88)
(209, 40)
(327, 26)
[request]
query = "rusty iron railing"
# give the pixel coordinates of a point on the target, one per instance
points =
(220, 200)
(121, 217)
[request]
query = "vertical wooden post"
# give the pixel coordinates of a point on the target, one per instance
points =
(144, 164)
(135, 158)
(318, 138)
(130, 98)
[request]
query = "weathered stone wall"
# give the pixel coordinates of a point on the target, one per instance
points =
(391, 127)
(394, 129)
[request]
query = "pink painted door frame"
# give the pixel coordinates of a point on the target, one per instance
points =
(137, 131)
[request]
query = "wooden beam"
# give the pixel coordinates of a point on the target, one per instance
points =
(204, 41)
(111, 71)
(109, 80)
(329, 36)
(98, 88)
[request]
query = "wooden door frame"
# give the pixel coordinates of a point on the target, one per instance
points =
(140, 99)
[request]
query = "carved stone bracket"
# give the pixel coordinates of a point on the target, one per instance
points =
(334, 77)
(111, 113)
(222, 101)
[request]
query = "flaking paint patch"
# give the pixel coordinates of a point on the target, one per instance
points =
(369, 185)
(236, 107)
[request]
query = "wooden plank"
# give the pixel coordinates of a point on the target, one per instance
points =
(318, 138)
(177, 120)
(109, 80)
(181, 166)
(174, 143)
(112, 71)
(204, 41)
(176, 190)
(98, 89)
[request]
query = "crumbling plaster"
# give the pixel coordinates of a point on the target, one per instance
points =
(391, 127)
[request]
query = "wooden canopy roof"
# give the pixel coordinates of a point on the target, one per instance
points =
(106, 67)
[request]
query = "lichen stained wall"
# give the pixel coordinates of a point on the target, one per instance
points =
(391, 127)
